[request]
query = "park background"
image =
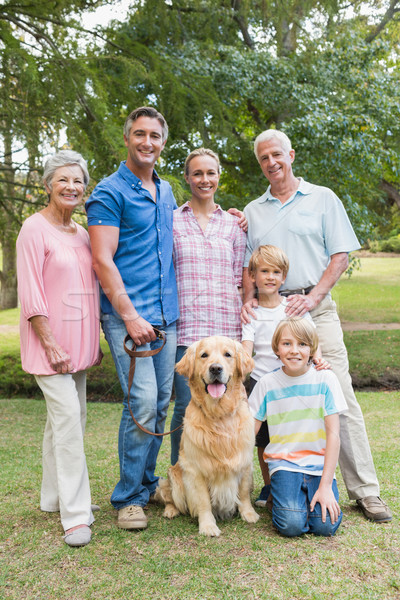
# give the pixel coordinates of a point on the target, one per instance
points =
(327, 73)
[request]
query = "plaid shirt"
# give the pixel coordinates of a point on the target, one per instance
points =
(208, 266)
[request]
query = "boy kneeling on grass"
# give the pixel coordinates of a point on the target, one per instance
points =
(301, 406)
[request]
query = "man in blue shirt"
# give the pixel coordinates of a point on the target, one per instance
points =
(130, 226)
(310, 224)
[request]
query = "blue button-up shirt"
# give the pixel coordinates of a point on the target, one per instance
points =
(144, 253)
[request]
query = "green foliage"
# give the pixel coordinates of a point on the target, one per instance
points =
(392, 244)
(221, 72)
(42, 88)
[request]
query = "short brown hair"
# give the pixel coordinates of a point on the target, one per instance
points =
(146, 111)
(201, 152)
(302, 329)
(272, 255)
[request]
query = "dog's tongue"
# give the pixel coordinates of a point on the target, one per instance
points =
(216, 390)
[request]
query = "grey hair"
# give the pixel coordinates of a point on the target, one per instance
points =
(145, 111)
(62, 159)
(270, 134)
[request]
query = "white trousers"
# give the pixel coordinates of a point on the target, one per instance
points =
(355, 459)
(65, 482)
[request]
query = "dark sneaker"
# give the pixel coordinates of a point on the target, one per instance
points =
(263, 497)
(375, 509)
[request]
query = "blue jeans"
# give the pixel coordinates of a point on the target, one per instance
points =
(292, 493)
(182, 399)
(149, 399)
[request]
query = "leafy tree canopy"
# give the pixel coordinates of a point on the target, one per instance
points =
(221, 71)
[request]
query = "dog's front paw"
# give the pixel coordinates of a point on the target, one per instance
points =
(249, 515)
(170, 511)
(209, 529)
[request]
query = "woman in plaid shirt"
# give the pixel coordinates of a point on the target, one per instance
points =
(209, 248)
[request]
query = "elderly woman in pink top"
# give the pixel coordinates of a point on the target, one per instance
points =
(59, 331)
(209, 248)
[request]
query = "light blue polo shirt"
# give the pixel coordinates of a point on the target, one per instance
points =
(144, 253)
(310, 227)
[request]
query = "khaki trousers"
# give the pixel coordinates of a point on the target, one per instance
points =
(65, 482)
(355, 459)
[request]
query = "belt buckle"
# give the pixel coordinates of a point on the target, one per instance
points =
(159, 334)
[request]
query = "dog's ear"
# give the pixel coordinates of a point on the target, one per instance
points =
(244, 362)
(186, 365)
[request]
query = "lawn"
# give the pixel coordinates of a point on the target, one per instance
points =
(169, 560)
(372, 293)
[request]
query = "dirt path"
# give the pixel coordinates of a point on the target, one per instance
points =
(346, 326)
(354, 326)
(4, 329)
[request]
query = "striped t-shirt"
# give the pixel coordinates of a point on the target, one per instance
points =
(295, 408)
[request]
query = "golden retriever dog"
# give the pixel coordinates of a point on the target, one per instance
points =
(213, 475)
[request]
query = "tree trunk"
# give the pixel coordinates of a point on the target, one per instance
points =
(8, 275)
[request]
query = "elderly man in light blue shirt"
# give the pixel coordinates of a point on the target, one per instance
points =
(310, 224)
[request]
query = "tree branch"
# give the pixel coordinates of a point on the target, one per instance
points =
(392, 192)
(238, 18)
(394, 8)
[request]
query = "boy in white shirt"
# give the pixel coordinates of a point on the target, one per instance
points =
(268, 268)
(302, 407)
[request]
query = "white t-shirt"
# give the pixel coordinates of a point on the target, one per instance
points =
(260, 332)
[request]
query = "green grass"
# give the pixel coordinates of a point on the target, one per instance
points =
(372, 294)
(170, 560)
(374, 357)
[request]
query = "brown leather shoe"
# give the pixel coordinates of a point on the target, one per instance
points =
(375, 509)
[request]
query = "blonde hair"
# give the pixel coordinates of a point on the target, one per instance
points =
(272, 255)
(201, 152)
(301, 329)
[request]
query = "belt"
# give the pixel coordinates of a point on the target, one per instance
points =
(302, 291)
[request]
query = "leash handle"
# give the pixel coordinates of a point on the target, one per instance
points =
(133, 353)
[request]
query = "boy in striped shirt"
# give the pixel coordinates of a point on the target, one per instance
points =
(301, 406)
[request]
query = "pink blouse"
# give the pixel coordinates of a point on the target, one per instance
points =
(56, 280)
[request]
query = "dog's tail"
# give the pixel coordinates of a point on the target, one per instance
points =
(177, 488)
(171, 491)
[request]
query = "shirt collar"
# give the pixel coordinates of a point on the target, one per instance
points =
(304, 188)
(131, 178)
(187, 206)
